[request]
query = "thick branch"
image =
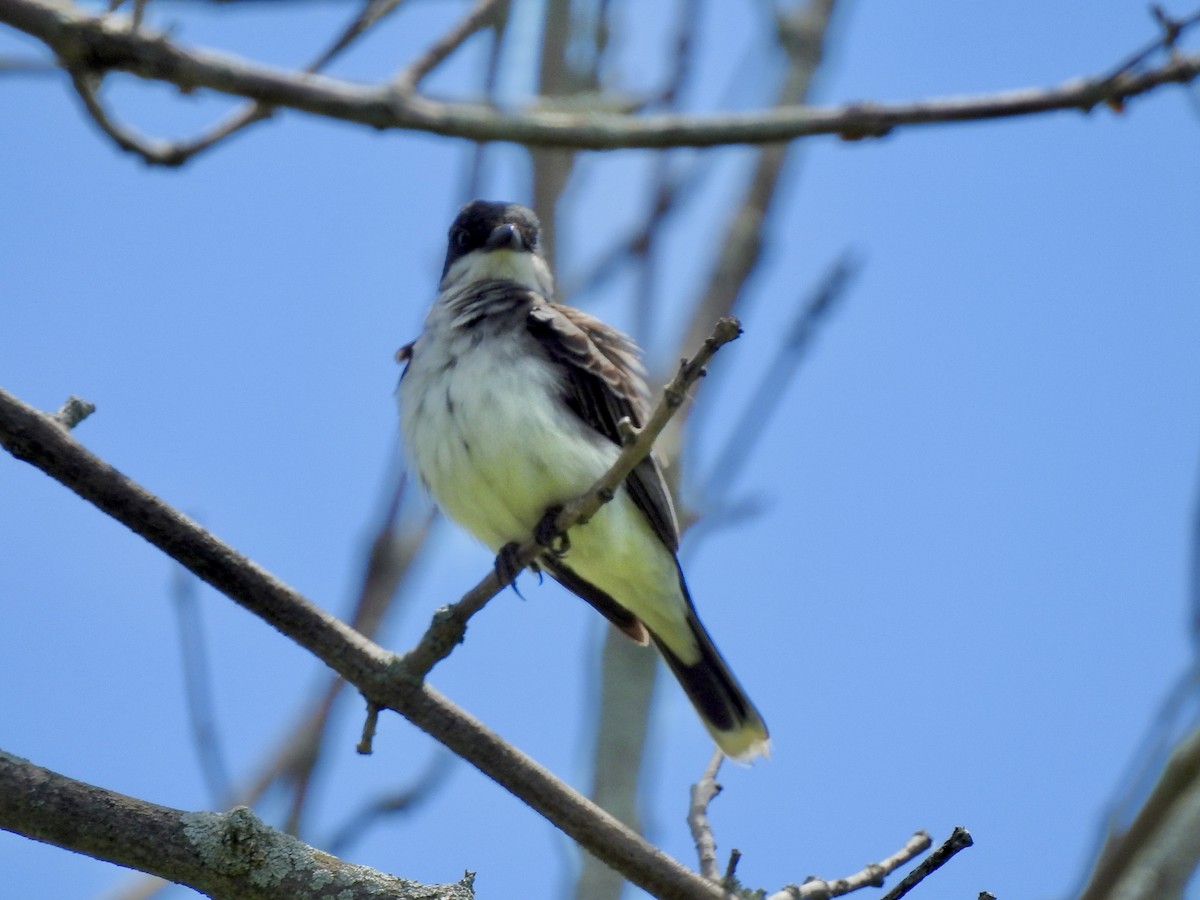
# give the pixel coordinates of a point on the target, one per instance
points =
(85, 42)
(37, 438)
(221, 855)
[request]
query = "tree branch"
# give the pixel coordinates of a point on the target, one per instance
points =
(1156, 855)
(871, 876)
(702, 794)
(481, 15)
(960, 839)
(381, 676)
(221, 855)
(88, 42)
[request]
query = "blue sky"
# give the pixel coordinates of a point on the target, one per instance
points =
(965, 588)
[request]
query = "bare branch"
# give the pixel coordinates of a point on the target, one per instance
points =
(481, 16)
(764, 401)
(702, 794)
(960, 839)
(88, 42)
(73, 412)
(405, 800)
(28, 65)
(372, 12)
(871, 876)
(1156, 855)
(381, 676)
(221, 855)
(197, 684)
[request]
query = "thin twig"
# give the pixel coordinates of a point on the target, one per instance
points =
(770, 390)
(960, 839)
(152, 151)
(197, 681)
(372, 13)
(702, 794)
(645, 295)
(481, 15)
(1171, 28)
(450, 622)
(475, 168)
(368, 730)
(871, 875)
(28, 65)
(82, 40)
(405, 800)
(73, 412)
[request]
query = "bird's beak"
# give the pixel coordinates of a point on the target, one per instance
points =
(506, 237)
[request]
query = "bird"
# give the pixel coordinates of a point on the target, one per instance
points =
(511, 405)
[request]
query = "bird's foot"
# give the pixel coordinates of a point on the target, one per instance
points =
(546, 533)
(507, 565)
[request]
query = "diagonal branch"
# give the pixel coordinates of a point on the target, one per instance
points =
(384, 678)
(481, 16)
(870, 876)
(82, 40)
(959, 840)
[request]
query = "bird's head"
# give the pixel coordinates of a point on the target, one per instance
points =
(496, 242)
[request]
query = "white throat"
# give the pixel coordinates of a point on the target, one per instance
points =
(529, 270)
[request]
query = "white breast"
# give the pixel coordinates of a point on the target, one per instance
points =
(487, 433)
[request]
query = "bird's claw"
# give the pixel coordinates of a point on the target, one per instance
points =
(507, 567)
(547, 534)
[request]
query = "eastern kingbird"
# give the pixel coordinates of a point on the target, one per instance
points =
(509, 407)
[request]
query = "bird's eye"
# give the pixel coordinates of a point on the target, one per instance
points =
(462, 238)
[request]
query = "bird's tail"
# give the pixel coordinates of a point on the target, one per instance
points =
(726, 711)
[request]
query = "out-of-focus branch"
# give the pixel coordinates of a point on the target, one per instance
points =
(176, 153)
(28, 65)
(405, 800)
(221, 855)
(197, 680)
(1157, 854)
(764, 401)
(802, 35)
(482, 14)
(83, 41)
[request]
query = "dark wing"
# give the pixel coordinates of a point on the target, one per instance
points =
(600, 601)
(603, 385)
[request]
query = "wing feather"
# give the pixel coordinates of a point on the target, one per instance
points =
(604, 383)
